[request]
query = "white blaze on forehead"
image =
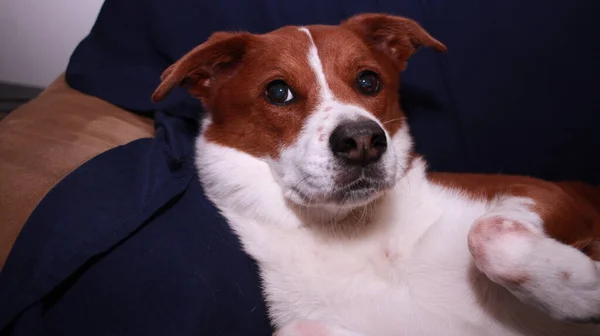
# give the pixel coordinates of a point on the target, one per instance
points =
(317, 67)
(342, 111)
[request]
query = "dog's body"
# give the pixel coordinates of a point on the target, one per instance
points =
(352, 235)
(409, 273)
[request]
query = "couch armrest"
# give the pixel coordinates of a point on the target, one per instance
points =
(44, 140)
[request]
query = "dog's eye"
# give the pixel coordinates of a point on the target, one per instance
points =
(278, 93)
(368, 82)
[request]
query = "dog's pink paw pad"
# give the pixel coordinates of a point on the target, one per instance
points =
(488, 229)
(497, 244)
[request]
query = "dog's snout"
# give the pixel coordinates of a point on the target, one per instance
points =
(358, 142)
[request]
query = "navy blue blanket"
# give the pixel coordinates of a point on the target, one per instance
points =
(128, 244)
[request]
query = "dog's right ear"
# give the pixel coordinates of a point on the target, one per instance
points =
(396, 36)
(198, 69)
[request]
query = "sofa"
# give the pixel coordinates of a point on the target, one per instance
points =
(104, 228)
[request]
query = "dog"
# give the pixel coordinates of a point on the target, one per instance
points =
(306, 152)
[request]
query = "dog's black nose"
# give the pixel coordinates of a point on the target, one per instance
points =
(359, 142)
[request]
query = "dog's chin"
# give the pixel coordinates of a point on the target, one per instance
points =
(353, 198)
(356, 194)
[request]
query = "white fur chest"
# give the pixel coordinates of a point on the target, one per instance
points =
(400, 280)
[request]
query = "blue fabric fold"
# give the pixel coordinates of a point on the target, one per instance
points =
(124, 246)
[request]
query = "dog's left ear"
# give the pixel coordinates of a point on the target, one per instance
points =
(396, 36)
(200, 68)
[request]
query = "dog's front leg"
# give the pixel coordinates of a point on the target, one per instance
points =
(312, 328)
(511, 245)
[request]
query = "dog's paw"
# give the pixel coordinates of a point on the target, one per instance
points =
(537, 269)
(499, 246)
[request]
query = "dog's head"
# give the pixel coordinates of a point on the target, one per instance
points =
(319, 103)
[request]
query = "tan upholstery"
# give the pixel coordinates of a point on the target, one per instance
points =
(44, 140)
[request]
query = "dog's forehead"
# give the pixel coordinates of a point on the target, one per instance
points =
(330, 41)
(290, 35)
(330, 37)
(339, 49)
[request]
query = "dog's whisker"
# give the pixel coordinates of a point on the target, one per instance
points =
(391, 120)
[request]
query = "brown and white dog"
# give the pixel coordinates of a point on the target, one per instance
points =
(307, 154)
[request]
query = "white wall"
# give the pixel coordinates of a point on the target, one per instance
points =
(37, 37)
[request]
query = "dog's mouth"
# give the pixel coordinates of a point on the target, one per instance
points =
(352, 188)
(360, 191)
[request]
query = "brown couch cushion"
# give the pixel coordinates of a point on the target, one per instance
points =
(47, 138)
